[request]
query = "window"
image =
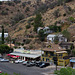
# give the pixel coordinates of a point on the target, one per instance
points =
(46, 53)
(60, 54)
(47, 60)
(52, 53)
(43, 59)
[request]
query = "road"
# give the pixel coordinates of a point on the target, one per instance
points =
(11, 68)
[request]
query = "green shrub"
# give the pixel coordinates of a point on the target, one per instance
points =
(56, 13)
(71, 19)
(64, 14)
(30, 46)
(22, 44)
(66, 34)
(65, 71)
(24, 47)
(27, 9)
(73, 52)
(27, 41)
(4, 12)
(28, 26)
(17, 18)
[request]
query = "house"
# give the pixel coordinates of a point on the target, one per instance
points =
(5, 35)
(61, 38)
(72, 62)
(39, 28)
(45, 29)
(27, 54)
(53, 51)
(66, 45)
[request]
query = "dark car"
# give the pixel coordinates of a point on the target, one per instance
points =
(38, 63)
(44, 65)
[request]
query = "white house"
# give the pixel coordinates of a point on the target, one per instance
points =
(45, 29)
(5, 35)
(51, 37)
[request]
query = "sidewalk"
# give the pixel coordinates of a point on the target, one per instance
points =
(52, 68)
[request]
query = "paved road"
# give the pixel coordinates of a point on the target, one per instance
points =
(11, 68)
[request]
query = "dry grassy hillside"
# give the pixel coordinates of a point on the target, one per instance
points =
(53, 14)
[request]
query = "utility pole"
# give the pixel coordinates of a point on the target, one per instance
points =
(56, 61)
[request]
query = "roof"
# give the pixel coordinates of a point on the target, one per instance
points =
(54, 47)
(27, 55)
(62, 52)
(11, 45)
(53, 35)
(72, 60)
(66, 43)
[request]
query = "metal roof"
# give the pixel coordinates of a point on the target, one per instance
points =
(27, 55)
(72, 60)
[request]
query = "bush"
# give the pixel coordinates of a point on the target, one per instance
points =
(71, 19)
(22, 44)
(10, 3)
(65, 71)
(27, 9)
(30, 46)
(42, 8)
(55, 28)
(4, 12)
(73, 52)
(28, 26)
(30, 20)
(7, 9)
(24, 47)
(64, 14)
(24, 4)
(56, 13)
(66, 34)
(27, 41)
(17, 18)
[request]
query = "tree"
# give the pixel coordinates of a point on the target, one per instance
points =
(66, 34)
(41, 35)
(5, 49)
(2, 34)
(73, 52)
(56, 39)
(65, 71)
(38, 22)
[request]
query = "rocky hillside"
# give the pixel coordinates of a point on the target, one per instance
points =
(16, 16)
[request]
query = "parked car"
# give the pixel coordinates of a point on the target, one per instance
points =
(44, 65)
(18, 61)
(4, 60)
(38, 63)
(0, 71)
(25, 62)
(1, 59)
(30, 64)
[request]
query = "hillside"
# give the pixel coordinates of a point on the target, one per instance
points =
(52, 13)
